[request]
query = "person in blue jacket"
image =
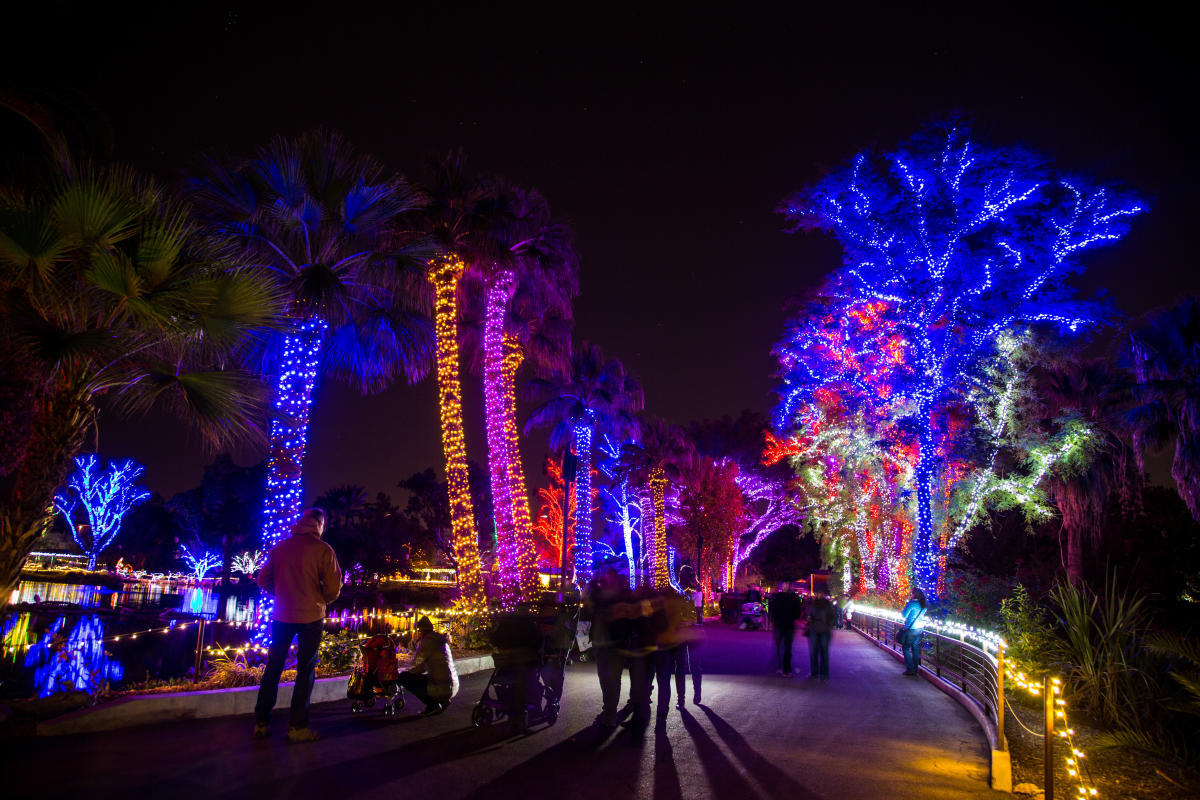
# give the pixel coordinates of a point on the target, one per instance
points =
(914, 629)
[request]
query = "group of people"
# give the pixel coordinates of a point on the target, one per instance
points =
(302, 574)
(653, 633)
(820, 616)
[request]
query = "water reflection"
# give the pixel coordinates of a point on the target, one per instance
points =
(75, 660)
(198, 599)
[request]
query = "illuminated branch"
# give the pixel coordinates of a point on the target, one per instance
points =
(106, 494)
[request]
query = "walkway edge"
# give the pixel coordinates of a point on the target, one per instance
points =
(154, 708)
(1000, 762)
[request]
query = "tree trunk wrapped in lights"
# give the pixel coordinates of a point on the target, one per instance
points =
(499, 290)
(583, 499)
(526, 554)
(444, 274)
(658, 491)
(289, 427)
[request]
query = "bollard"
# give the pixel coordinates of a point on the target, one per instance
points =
(1000, 741)
(1048, 733)
(199, 650)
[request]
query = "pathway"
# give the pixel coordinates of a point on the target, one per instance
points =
(867, 733)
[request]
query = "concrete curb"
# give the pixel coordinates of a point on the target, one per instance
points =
(150, 709)
(1001, 764)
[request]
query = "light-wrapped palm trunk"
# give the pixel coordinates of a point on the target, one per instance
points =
(499, 291)
(444, 274)
(583, 498)
(522, 521)
(658, 491)
(294, 387)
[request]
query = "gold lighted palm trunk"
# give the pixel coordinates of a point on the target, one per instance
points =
(444, 274)
(522, 521)
(658, 488)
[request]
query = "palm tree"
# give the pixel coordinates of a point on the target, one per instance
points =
(321, 219)
(451, 220)
(110, 291)
(652, 462)
(1092, 393)
(597, 397)
(1166, 355)
(529, 269)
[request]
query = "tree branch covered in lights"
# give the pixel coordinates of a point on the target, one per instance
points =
(200, 562)
(952, 244)
(249, 563)
(106, 493)
(768, 505)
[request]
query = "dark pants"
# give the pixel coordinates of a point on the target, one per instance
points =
(785, 634)
(911, 642)
(608, 669)
(670, 664)
(417, 684)
(308, 639)
(818, 654)
(699, 615)
(640, 677)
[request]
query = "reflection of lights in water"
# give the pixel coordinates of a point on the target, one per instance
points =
(79, 662)
(196, 599)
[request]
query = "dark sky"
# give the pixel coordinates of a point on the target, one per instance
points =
(665, 140)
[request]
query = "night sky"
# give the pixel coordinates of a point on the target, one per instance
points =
(664, 140)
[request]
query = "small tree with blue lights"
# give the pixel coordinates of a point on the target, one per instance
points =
(106, 493)
(962, 243)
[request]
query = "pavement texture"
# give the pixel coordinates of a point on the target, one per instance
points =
(867, 733)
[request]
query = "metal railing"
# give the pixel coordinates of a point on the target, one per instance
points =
(974, 668)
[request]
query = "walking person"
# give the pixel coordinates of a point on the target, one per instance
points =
(671, 657)
(431, 676)
(303, 575)
(638, 622)
(598, 600)
(784, 610)
(913, 631)
(822, 616)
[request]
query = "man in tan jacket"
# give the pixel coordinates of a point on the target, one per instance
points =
(302, 573)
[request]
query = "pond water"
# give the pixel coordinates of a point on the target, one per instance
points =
(83, 636)
(187, 597)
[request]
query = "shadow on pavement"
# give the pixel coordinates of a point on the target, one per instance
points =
(570, 766)
(378, 768)
(774, 780)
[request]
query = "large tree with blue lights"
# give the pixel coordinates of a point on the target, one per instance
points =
(959, 244)
(106, 492)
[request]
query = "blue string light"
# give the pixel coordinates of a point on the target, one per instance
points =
(962, 243)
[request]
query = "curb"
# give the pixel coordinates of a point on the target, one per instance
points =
(150, 709)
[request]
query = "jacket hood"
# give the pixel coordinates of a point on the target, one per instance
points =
(307, 525)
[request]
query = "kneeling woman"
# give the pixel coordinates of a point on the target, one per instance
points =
(431, 676)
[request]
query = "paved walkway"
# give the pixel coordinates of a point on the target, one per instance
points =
(867, 733)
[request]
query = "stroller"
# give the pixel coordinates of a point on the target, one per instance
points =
(375, 678)
(530, 662)
(752, 617)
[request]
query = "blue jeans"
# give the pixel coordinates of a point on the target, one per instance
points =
(818, 654)
(308, 639)
(912, 650)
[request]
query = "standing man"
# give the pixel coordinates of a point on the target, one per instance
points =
(784, 610)
(302, 573)
(598, 600)
(822, 616)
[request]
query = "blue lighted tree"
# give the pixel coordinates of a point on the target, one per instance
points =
(963, 243)
(596, 396)
(322, 219)
(106, 494)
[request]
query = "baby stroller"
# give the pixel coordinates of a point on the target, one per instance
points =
(375, 678)
(530, 664)
(752, 617)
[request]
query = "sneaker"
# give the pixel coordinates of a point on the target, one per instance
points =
(789, 674)
(778, 672)
(696, 698)
(906, 672)
(297, 735)
(436, 707)
(260, 730)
